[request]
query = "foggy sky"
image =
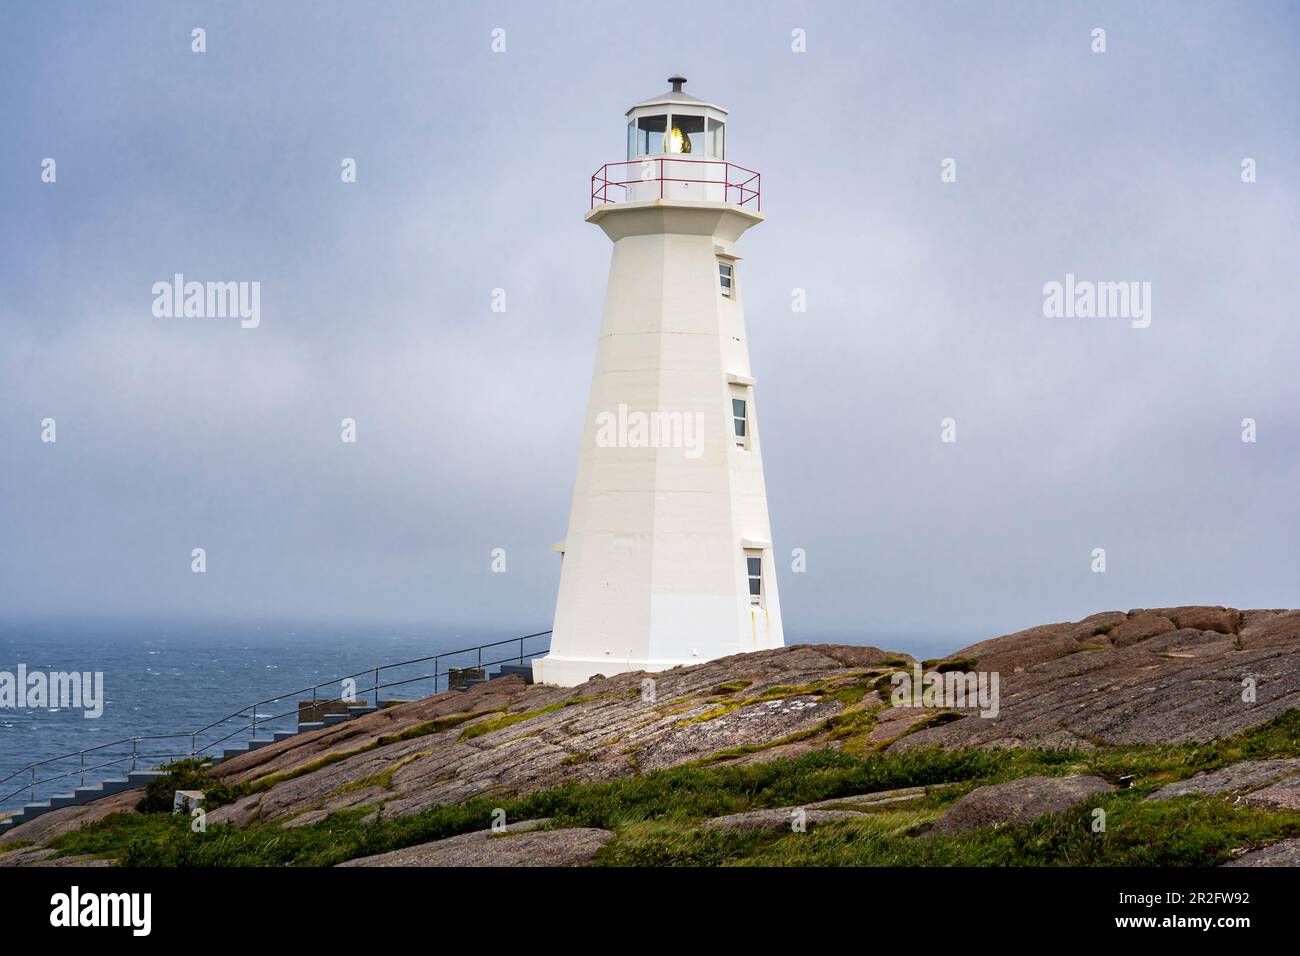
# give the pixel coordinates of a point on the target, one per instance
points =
(924, 302)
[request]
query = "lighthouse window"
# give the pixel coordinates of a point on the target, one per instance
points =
(724, 277)
(738, 415)
(715, 140)
(686, 135)
(754, 569)
(650, 134)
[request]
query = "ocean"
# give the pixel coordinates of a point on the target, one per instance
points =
(170, 678)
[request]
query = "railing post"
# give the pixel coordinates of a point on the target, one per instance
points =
(661, 179)
(521, 650)
(33, 785)
(82, 755)
(134, 742)
(193, 743)
(376, 687)
(254, 721)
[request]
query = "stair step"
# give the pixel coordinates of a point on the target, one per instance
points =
(138, 778)
(60, 800)
(286, 734)
(257, 743)
(331, 720)
(105, 789)
(229, 752)
(522, 670)
(89, 793)
(361, 710)
(311, 725)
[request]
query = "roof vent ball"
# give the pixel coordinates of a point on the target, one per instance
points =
(677, 80)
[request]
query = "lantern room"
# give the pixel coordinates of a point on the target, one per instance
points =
(676, 124)
(676, 151)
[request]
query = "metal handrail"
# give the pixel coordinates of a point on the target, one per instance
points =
(252, 722)
(748, 182)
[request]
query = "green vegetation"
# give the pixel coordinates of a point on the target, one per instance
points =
(188, 774)
(730, 687)
(944, 665)
(657, 815)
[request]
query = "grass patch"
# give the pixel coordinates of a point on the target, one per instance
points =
(729, 687)
(942, 665)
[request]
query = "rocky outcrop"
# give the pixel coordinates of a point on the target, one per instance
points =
(522, 844)
(778, 818)
(44, 856)
(1235, 778)
(1142, 676)
(877, 799)
(1018, 801)
(1148, 676)
(508, 737)
(816, 814)
(1286, 853)
(1284, 794)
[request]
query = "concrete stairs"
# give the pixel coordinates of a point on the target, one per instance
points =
(138, 778)
(82, 795)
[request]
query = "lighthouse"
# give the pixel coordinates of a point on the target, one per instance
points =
(668, 559)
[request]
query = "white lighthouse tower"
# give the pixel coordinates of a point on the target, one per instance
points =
(668, 559)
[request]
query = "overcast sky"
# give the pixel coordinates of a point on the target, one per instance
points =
(925, 302)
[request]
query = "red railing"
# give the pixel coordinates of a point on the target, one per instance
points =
(733, 183)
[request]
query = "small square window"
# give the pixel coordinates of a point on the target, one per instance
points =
(739, 415)
(724, 278)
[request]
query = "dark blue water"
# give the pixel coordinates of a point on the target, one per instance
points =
(176, 678)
